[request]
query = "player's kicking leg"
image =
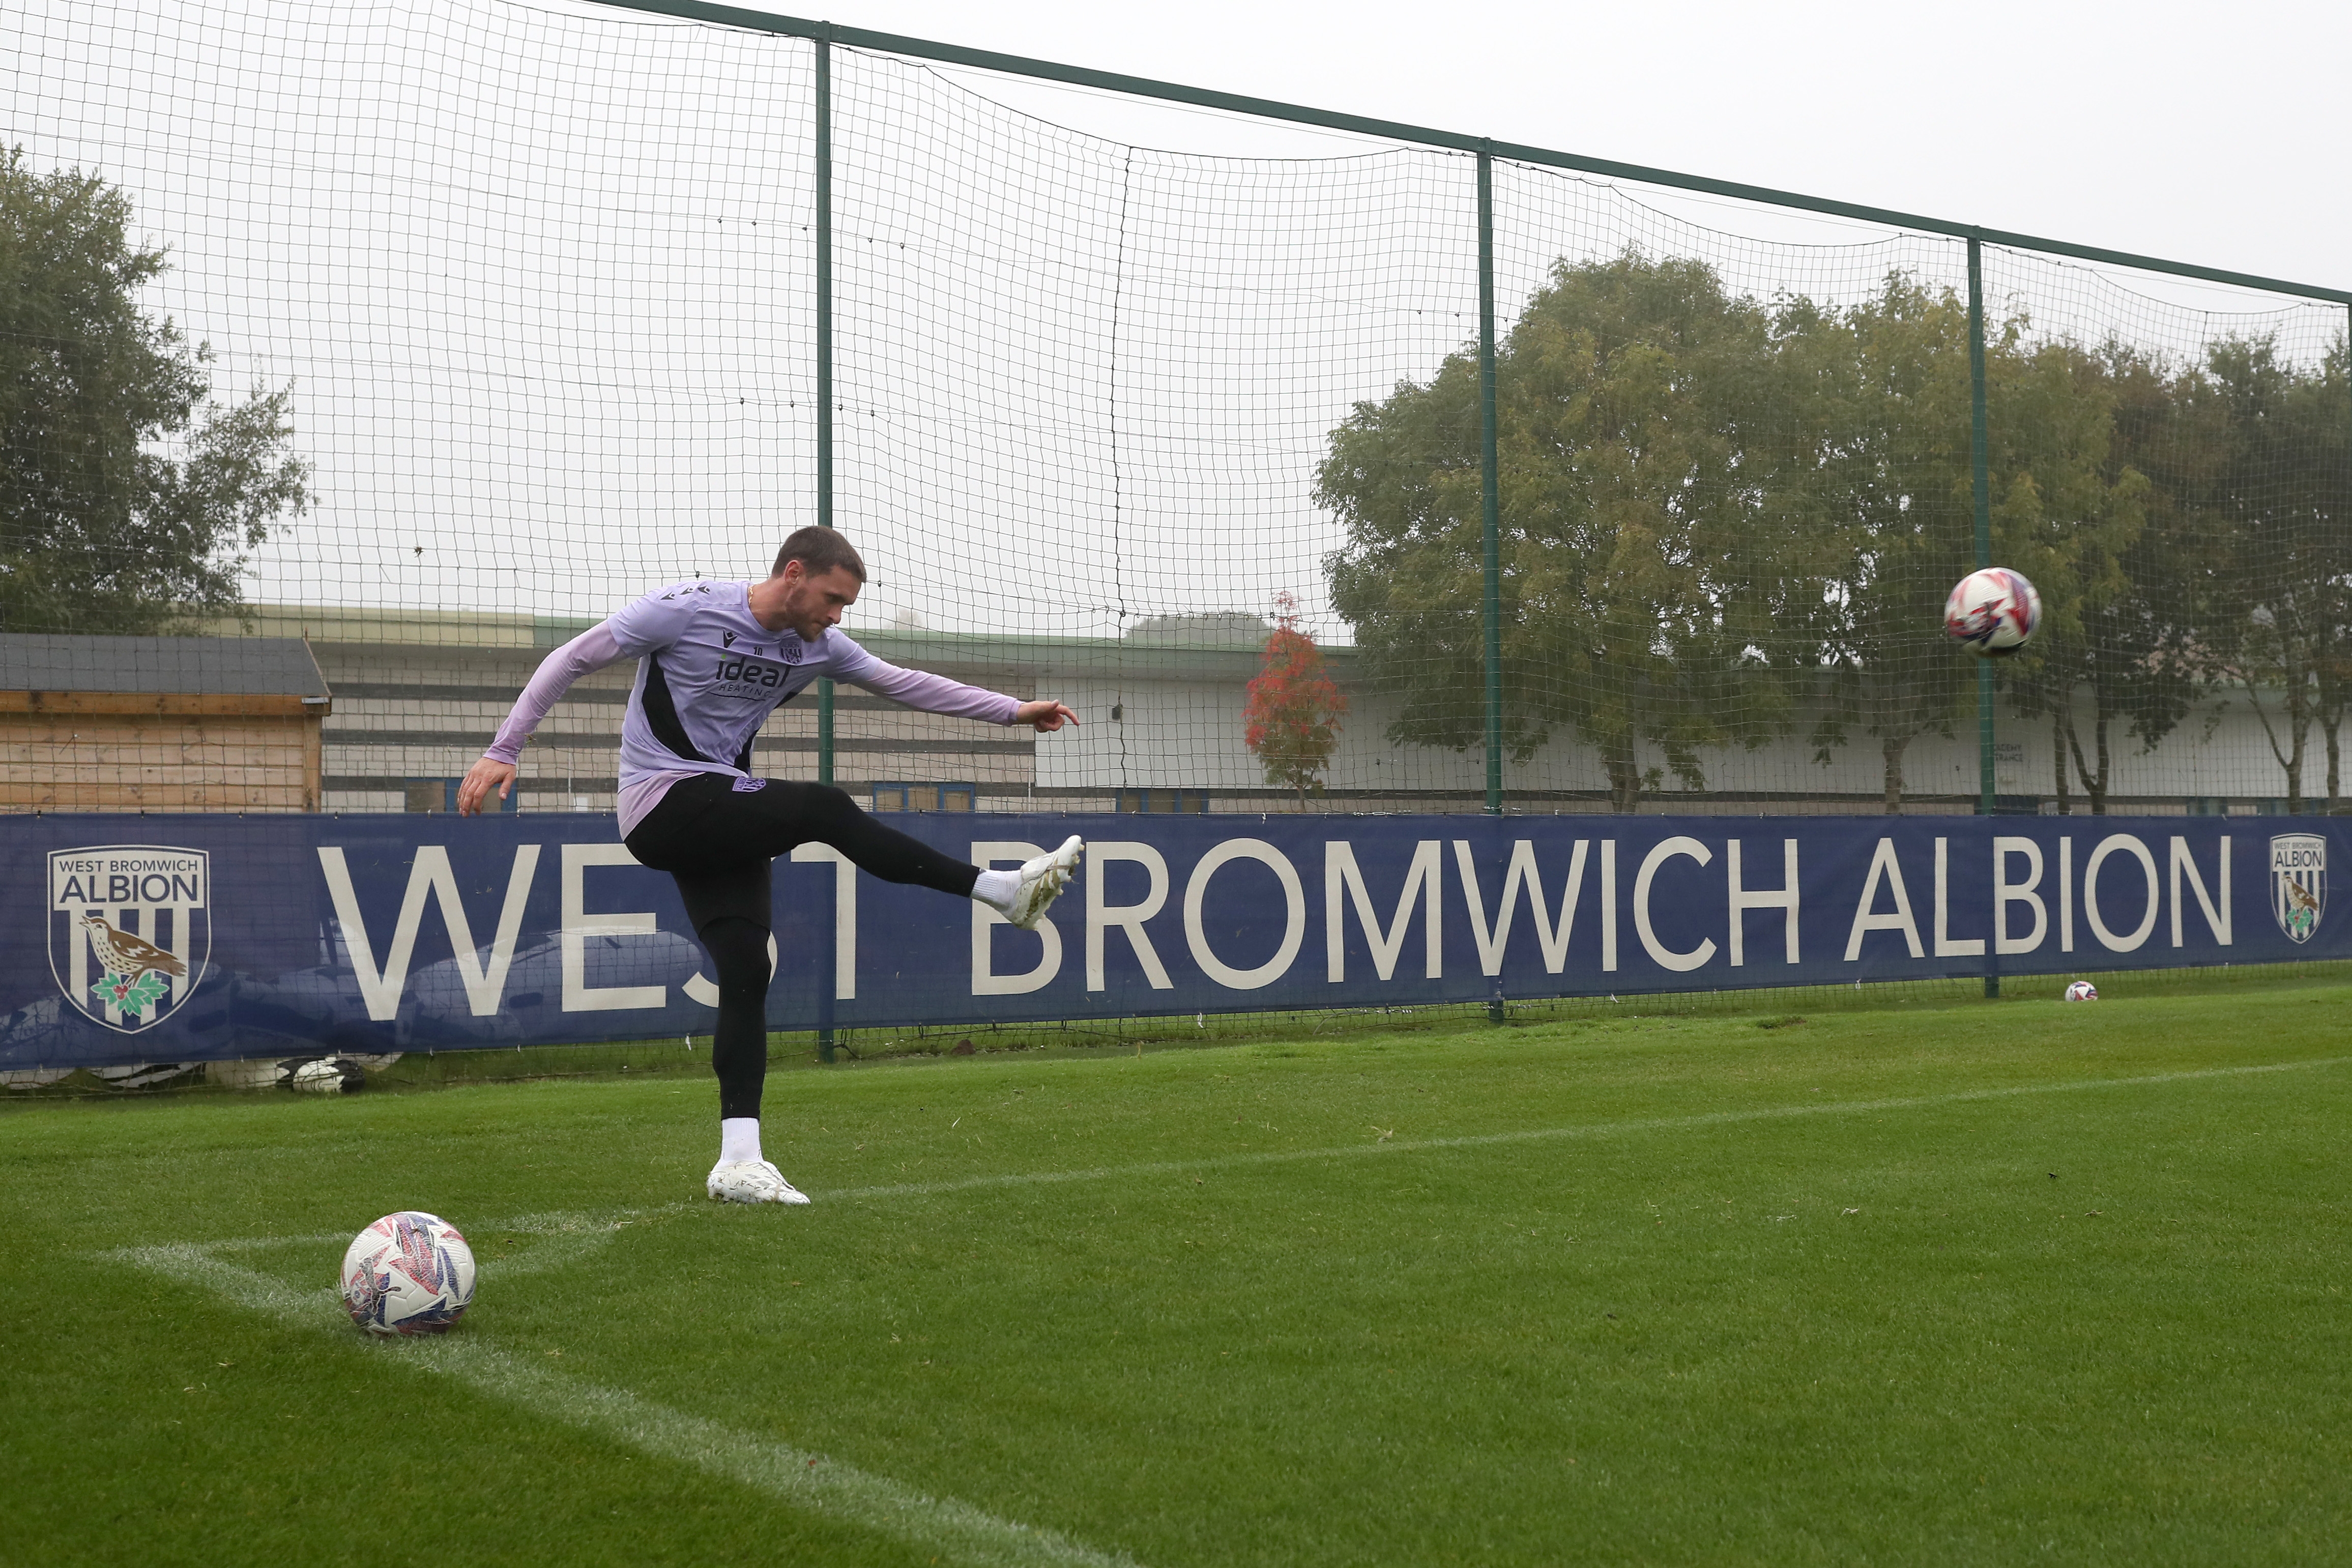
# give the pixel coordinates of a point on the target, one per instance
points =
(719, 842)
(1022, 896)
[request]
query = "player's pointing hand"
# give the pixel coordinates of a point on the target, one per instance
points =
(1043, 715)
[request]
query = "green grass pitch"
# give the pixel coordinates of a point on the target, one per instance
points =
(1932, 1284)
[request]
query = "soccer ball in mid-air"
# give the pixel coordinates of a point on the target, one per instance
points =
(408, 1273)
(1992, 612)
(2081, 991)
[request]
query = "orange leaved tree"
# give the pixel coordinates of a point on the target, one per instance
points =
(1293, 716)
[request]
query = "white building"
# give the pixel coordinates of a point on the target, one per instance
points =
(418, 694)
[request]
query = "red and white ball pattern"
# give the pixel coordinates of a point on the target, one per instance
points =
(1992, 612)
(2081, 991)
(408, 1273)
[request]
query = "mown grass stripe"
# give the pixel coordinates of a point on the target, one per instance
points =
(566, 1222)
(1542, 1135)
(954, 1529)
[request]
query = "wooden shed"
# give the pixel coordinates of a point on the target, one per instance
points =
(99, 724)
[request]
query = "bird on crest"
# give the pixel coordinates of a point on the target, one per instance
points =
(2301, 897)
(127, 955)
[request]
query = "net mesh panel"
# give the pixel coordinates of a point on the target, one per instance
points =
(1085, 388)
(1727, 544)
(536, 293)
(522, 304)
(2198, 649)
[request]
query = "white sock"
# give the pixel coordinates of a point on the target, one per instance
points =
(997, 889)
(739, 1140)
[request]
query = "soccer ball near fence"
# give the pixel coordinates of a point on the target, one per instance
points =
(2081, 991)
(329, 1076)
(408, 1273)
(1993, 613)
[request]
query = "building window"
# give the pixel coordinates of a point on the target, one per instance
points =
(925, 797)
(2208, 806)
(1195, 800)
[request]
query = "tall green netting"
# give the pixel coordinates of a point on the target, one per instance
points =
(510, 313)
(1085, 388)
(1725, 546)
(532, 294)
(2203, 619)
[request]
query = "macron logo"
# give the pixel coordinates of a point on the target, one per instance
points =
(728, 639)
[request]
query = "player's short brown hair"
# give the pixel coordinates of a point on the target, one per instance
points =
(820, 551)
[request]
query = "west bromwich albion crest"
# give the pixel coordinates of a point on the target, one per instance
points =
(128, 930)
(2298, 883)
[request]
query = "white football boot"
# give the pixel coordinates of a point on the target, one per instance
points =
(1042, 881)
(753, 1182)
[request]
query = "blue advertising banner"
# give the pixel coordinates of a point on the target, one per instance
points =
(197, 937)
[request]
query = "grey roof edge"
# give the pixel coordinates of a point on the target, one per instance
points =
(200, 666)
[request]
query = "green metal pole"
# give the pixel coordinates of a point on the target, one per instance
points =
(824, 360)
(829, 947)
(1490, 504)
(1490, 508)
(824, 731)
(1981, 489)
(825, 1051)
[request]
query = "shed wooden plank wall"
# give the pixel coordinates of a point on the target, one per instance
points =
(213, 754)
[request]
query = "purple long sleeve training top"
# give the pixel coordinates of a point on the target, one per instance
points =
(708, 676)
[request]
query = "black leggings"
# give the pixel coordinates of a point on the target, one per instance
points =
(717, 843)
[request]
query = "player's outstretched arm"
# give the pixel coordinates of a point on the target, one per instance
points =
(931, 693)
(589, 651)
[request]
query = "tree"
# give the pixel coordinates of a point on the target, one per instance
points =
(1292, 721)
(2126, 652)
(1625, 394)
(127, 497)
(2326, 434)
(1880, 399)
(1882, 395)
(2281, 623)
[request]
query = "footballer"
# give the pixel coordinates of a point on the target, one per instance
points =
(714, 660)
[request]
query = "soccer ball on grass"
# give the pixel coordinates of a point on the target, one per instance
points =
(2081, 991)
(331, 1075)
(1992, 612)
(408, 1273)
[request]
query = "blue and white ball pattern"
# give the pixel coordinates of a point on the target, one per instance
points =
(408, 1273)
(2081, 991)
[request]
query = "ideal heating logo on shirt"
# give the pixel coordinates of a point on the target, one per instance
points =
(748, 672)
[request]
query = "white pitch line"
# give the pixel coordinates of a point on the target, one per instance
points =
(808, 1480)
(598, 1226)
(1544, 1134)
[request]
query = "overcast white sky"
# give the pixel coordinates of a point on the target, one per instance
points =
(2212, 134)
